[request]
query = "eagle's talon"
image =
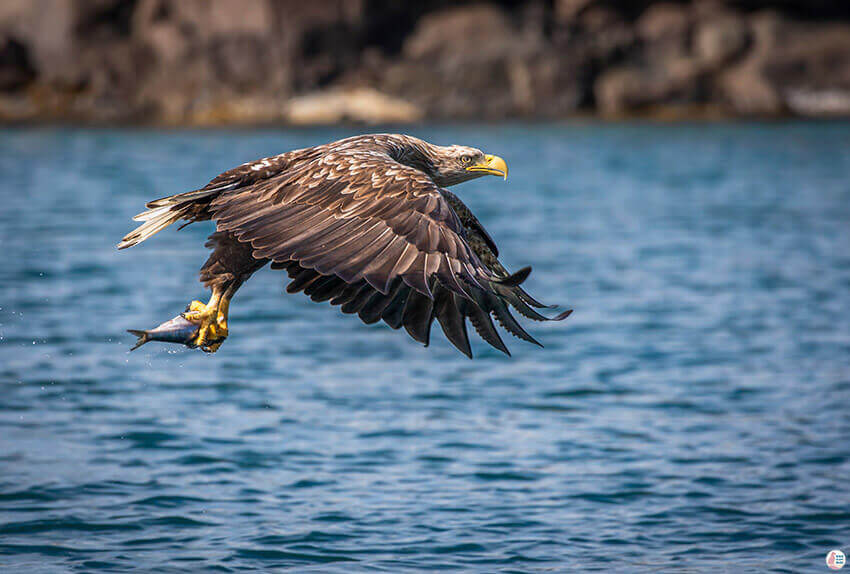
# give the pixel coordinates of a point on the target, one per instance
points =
(212, 347)
(197, 312)
(213, 326)
(194, 306)
(210, 337)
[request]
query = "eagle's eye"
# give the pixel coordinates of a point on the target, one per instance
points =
(466, 159)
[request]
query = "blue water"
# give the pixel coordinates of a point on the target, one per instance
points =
(691, 416)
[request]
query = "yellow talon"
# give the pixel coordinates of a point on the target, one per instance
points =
(212, 347)
(212, 319)
(195, 306)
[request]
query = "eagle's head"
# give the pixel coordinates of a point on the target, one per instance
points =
(446, 165)
(455, 164)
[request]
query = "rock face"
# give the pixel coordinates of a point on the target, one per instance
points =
(288, 61)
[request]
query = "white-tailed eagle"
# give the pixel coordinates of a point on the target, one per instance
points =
(365, 223)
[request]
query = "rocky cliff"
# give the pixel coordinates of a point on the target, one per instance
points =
(256, 61)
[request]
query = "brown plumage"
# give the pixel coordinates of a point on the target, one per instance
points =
(364, 223)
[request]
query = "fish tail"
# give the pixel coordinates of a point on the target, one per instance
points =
(143, 336)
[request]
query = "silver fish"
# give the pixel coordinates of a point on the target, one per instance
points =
(177, 330)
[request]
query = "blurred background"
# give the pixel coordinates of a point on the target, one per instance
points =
(202, 62)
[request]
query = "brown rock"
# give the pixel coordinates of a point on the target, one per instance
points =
(810, 57)
(567, 11)
(745, 86)
(16, 69)
(207, 19)
(659, 70)
(214, 61)
(620, 90)
(604, 35)
(812, 75)
(632, 89)
(211, 59)
(49, 40)
(792, 66)
(464, 62)
(720, 39)
(154, 24)
(480, 31)
(557, 85)
(240, 62)
(747, 92)
(664, 28)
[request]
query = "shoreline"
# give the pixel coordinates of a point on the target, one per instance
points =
(594, 120)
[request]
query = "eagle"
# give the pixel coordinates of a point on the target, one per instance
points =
(366, 223)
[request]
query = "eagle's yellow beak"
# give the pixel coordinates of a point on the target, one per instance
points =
(493, 165)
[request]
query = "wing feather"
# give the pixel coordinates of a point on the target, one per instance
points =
(341, 211)
(480, 320)
(359, 299)
(393, 315)
(451, 320)
(417, 316)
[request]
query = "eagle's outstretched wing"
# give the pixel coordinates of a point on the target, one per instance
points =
(357, 215)
(381, 240)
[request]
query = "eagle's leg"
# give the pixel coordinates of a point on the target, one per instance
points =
(230, 264)
(220, 325)
(212, 319)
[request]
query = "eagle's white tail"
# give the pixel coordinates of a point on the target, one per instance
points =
(155, 220)
(163, 212)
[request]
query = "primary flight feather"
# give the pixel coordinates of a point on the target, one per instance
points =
(365, 223)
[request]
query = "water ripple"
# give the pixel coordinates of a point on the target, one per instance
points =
(687, 418)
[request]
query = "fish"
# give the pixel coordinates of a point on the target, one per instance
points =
(177, 330)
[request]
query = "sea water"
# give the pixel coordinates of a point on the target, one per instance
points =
(692, 415)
